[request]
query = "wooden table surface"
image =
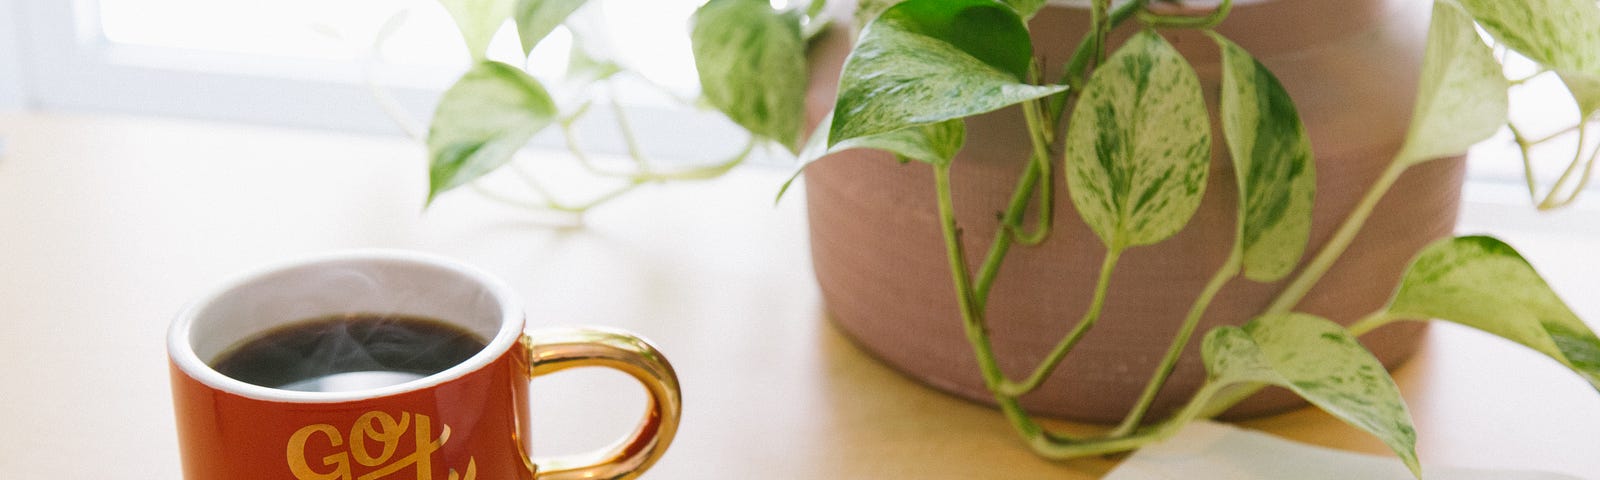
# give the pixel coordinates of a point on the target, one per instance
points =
(109, 224)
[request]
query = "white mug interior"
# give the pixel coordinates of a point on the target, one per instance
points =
(358, 282)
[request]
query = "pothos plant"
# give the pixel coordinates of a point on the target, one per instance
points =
(496, 108)
(1135, 158)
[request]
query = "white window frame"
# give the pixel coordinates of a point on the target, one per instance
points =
(68, 64)
(12, 96)
(71, 66)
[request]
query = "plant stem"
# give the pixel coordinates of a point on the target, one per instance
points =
(1331, 251)
(972, 317)
(1230, 269)
(1313, 272)
(1031, 177)
(1583, 182)
(1098, 14)
(1524, 146)
(1041, 136)
(1211, 20)
(705, 172)
(1044, 443)
(1063, 347)
(369, 77)
(645, 174)
(1371, 322)
(570, 134)
(626, 129)
(1550, 201)
(1556, 134)
(1197, 406)
(1077, 68)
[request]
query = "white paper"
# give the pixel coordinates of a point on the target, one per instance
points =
(1216, 451)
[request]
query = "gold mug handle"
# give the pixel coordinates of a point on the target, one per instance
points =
(554, 350)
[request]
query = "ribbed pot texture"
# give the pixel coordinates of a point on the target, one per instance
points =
(1351, 67)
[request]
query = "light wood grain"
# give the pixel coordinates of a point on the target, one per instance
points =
(109, 224)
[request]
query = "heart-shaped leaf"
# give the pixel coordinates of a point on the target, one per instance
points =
(868, 10)
(478, 21)
(1026, 8)
(928, 61)
(1585, 90)
(490, 113)
(752, 66)
(935, 144)
(1320, 361)
(1483, 283)
(1561, 34)
(584, 66)
(1462, 96)
(1272, 161)
(1139, 145)
(537, 18)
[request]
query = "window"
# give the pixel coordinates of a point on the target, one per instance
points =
(11, 92)
(320, 63)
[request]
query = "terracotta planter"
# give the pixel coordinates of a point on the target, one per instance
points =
(1351, 66)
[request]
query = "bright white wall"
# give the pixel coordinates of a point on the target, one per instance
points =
(12, 94)
(69, 65)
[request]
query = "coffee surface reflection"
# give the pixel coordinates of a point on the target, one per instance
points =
(349, 353)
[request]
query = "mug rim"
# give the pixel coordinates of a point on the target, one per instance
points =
(181, 351)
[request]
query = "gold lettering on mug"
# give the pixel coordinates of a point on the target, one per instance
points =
(297, 454)
(387, 433)
(374, 427)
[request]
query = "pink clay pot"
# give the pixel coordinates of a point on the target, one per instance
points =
(1351, 67)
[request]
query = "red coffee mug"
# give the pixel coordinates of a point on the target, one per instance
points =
(467, 422)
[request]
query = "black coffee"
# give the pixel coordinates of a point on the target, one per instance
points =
(349, 352)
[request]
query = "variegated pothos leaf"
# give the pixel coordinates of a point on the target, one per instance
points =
(1026, 8)
(537, 18)
(868, 10)
(1139, 145)
(1320, 361)
(1272, 163)
(1560, 34)
(1462, 97)
(1485, 284)
(481, 121)
(928, 61)
(478, 21)
(935, 144)
(752, 66)
(1585, 91)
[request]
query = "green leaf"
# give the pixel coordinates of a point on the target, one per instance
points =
(815, 8)
(752, 66)
(478, 21)
(537, 18)
(869, 10)
(1561, 34)
(1483, 283)
(1026, 8)
(1139, 145)
(490, 113)
(928, 61)
(584, 67)
(935, 144)
(1320, 361)
(1462, 96)
(1273, 163)
(1585, 91)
